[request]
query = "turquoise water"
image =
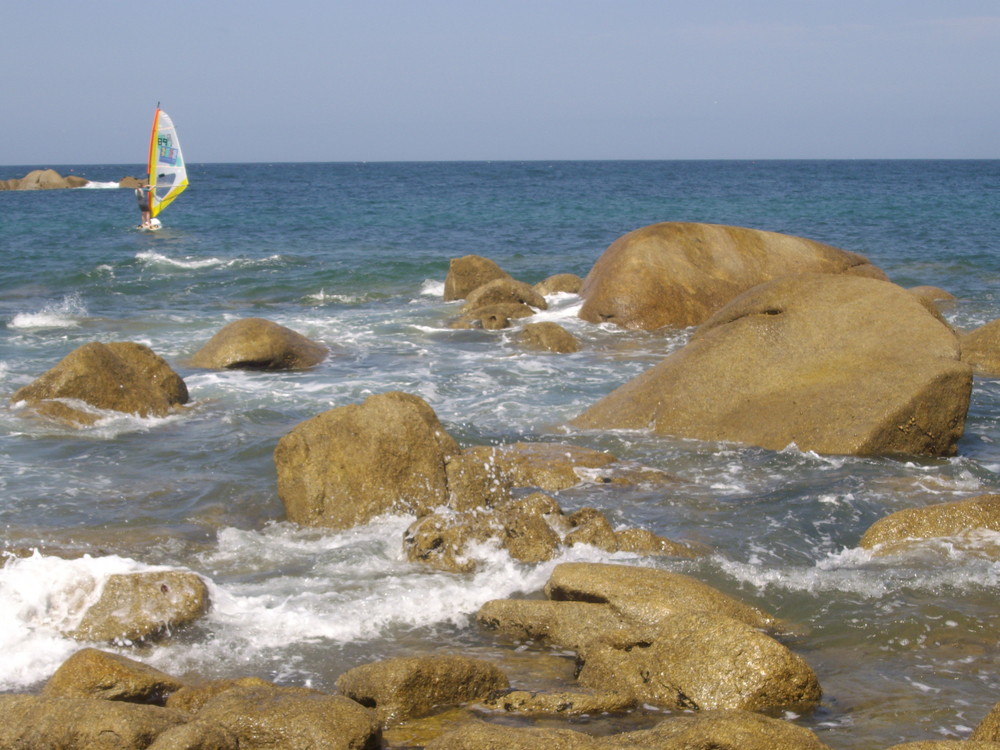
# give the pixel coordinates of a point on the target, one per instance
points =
(354, 256)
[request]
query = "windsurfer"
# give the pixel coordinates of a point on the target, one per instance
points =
(142, 195)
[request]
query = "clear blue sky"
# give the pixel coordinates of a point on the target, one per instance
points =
(375, 80)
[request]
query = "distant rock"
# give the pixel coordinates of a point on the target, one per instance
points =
(120, 376)
(679, 274)
(952, 519)
(981, 349)
(131, 182)
(835, 364)
(258, 344)
(566, 283)
(43, 179)
(468, 273)
(501, 292)
(548, 336)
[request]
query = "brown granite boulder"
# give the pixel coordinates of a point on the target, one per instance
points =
(492, 317)
(288, 718)
(988, 730)
(43, 179)
(501, 292)
(829, 363)
(408, 687)
(680, 274)
(468, 273)
(120, 376)
(705, 730)
(564, 703)
(353, 463)
(258, 344)
(561, 283)
(548, 336)
(932, 294)
(138, 606)
(91, 673)
(31, 721)
(950, 519)
(981, 349)
(197, 735)
(192, 697)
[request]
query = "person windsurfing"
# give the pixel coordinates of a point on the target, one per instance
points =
(142, 196)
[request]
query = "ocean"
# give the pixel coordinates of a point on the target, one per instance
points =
(354, 255)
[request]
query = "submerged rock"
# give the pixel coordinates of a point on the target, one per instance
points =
(493, 317)
(829, 363)
(680, 274)
(548, 336)
(258, 344)
(950, 519)
(502, 292)
(120, 376)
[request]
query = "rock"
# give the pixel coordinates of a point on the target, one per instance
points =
(829, 363)
(981, 349)
(91, 673)
(121, 376)
(191, 698)
(940, 520)
(131, 182)
(548, 336)
(571, 625)
(468, 273)
(409, 687)
(932, 294)
(703, 660)
(276, 718)
(493, 317)
(503, 291)
(137, 606)
(258, 344)
(564, 703)
(43, 179)
(548, 466)
(561, 283)
(647, 595)
(988, 729)
(476, 480)
(353, 463)
(196, 735)
(680, 274)
(717, 730)
(31, 722)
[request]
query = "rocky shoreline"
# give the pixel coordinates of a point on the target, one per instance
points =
(832, 358)
(50, 179)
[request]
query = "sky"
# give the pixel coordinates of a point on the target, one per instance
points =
(416, 80)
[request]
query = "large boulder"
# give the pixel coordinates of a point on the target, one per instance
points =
(31, 721)
(988, 730)
(137, 606)
(43, 179)
(829, 363)
(468, 273)
(548, 336)
(120, 376)
(501, 292)
(981, 349)
(409, 687)
(258, 344)
(939, 520)
(679, 274)
(561, 283)
(91, 673)
(350, 464)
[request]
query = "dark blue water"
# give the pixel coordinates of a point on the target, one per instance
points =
(355, 255)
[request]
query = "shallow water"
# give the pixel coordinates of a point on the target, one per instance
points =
(354, 256)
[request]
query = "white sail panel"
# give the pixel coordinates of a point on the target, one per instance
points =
(167, 171)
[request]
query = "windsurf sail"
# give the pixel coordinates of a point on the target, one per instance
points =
(167, 172)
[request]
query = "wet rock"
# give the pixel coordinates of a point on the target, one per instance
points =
(191, 698)
(120, 376)
(196, 735)
(680, 274)
(988, 729)
(950, 519)
(493, 317)
(829, 363)
(353, 463)
(981, 349)
(286, 718)
(468, 273)
(476, 480)
(561, 283)
(258, 344)
(501, 292)
(571, 625)
(47, 722)
(548, 336)
(413, 686)
(575, 703)
(548, 466)
(138, 606)
(703, 660)
(91, 673)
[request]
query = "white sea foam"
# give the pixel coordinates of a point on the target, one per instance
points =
(154, 258)
(97, 185)
(64, 314)
(432, 288)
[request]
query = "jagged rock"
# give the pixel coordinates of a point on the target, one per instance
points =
(91, 673)
(950, 519)
(258, 344)
(137, 606)
(548, 336)
(981, 349)
(408, 687)
(565, 283)
(120, 376)
(679, 274)
(503, 291)
(829, 363)
(31, 722)
(353, 463)
(468, 273)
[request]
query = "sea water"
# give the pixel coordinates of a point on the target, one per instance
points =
(355, 256)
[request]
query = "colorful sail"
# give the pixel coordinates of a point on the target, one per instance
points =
(167, 172)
